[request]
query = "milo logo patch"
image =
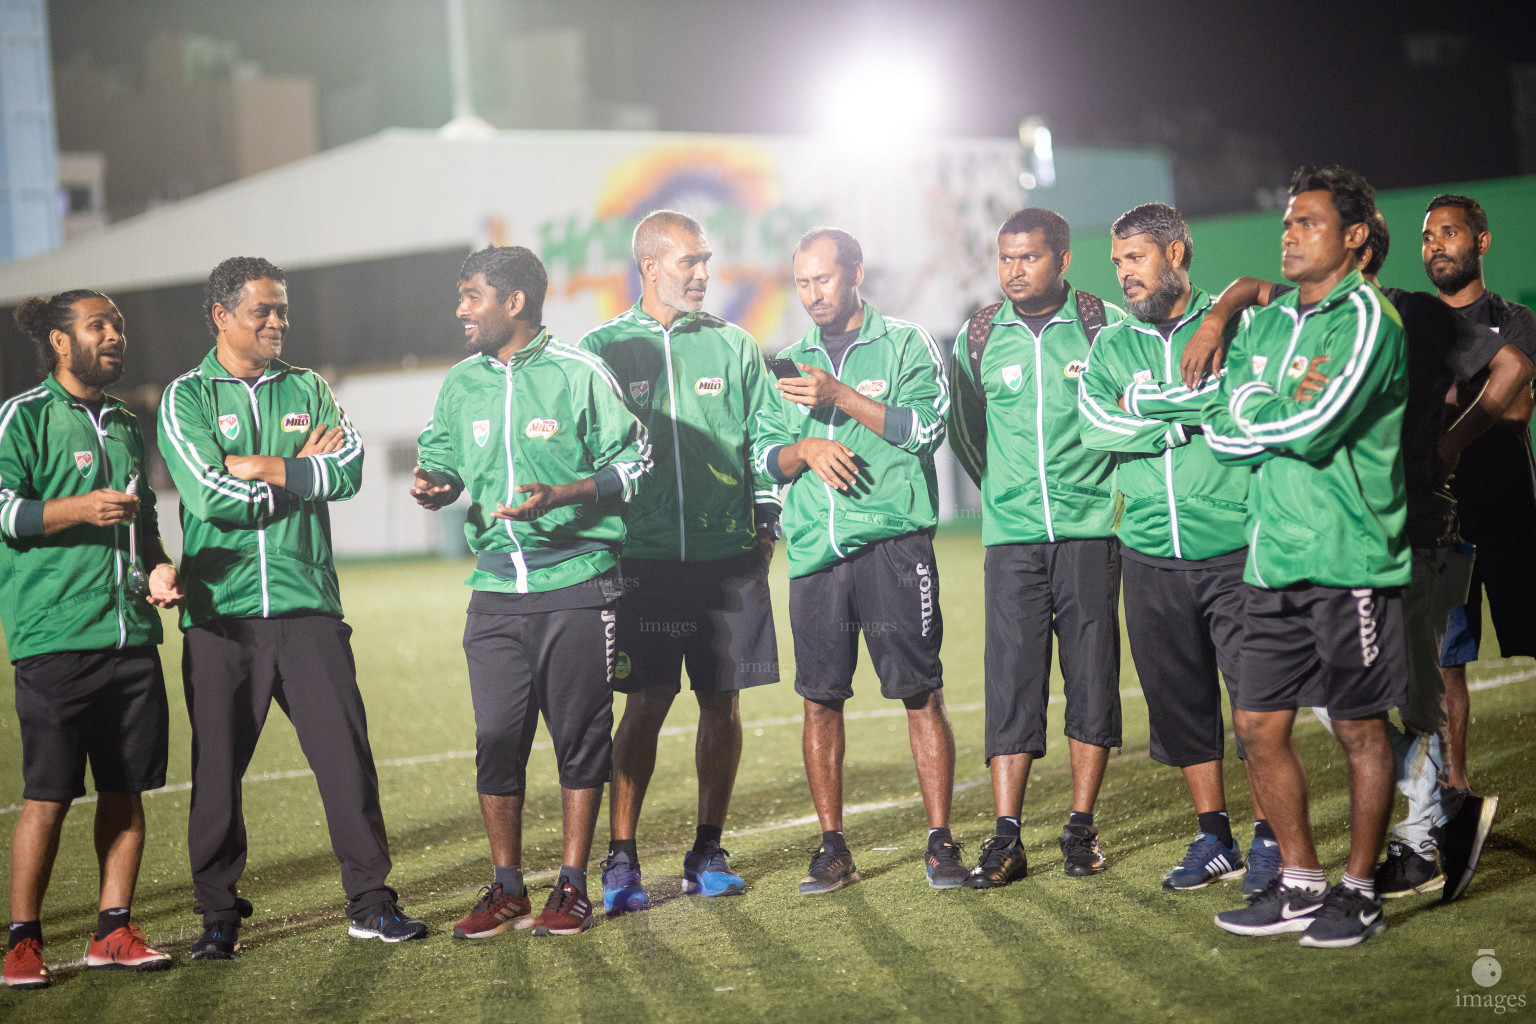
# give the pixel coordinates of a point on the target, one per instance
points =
(871, 388)
(1074, 369)
(542, 428)
(709, 385)
(295, 422)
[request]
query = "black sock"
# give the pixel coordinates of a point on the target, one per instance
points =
(835, 841)
(706, 838)
(1217, 824)
(626, 847)
(1008, 827)
(23, 930)
(1261, 830)
(939, 836)
(110, 920)
(1084, 818)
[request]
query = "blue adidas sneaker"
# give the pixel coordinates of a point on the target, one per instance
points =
(709, 874)
(622, 891)
(1207, 860)
(1263, 866)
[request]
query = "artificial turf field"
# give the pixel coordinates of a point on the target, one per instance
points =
(1049, 947)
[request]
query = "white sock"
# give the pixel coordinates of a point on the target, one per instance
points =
(1314, 882)
(1364, 886)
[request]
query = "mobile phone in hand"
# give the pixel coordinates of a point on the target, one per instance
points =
(782, 368)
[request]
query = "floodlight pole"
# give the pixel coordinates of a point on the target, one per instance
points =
(464, 124)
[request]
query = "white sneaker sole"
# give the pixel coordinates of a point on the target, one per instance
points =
(1433, 885)
(1237, 872)
(1295, 924)
(369, 933)
(1376, 928)
(516, 924)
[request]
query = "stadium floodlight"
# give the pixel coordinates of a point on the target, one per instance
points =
(880, 95)
(1039, 157)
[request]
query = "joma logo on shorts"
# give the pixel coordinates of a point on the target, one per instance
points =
(925, 595)
(1365, 611)
(610, 638)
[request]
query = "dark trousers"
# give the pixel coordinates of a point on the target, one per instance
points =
(232, 670)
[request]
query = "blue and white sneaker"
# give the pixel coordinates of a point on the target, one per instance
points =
(1263, 866)
(622, 891)
(1207, 860)
(709, 874)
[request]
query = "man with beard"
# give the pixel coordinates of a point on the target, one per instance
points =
(1327, 553)
(1182, 533)
(537, 433)
(696, 553)
(1494, 481)
(859, 528)
(74, 507)
(258, 448)
(1048, 511)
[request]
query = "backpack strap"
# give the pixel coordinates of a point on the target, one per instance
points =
(1090, 311)
(976, 334)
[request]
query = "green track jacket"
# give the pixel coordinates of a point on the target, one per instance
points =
(551, 415)
(893, 362)
(1179, 501)
(697, 387)
(1327, 502)
(250, 549)
(64, 592)
(1016, 431)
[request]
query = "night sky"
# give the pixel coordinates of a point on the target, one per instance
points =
(1224, 87)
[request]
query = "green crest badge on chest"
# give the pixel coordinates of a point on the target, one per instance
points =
(1013, 376)
(84, 461)
(640, 391)
(871, 388)
(229, 425)
(482, 431)
(1259, 362)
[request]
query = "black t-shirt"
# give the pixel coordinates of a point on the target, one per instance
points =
(1036, 323)
(1166, 327)
(837, 344)
(1495, 483)
(1442, 349)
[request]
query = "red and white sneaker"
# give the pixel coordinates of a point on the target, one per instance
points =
(497, 911)
(24, 967)
(125, 949)
(568, 912)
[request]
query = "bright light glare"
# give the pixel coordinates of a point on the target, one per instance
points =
(878, 96)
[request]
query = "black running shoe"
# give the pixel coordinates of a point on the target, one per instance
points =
(1347, 918)
(945, 864)
(830, 870)
(1080, 850)
(389, 923)
(1406, 872)
(220, 941)
(1275, 910)
(1461, 838)
(1002, 861)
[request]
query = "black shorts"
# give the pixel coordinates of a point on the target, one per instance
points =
(715, 617)
(1071, 587)
(1313, 646)
(1506, 565)
(559, 663)
(106, 707)
(889, 591)
(1184, 624)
